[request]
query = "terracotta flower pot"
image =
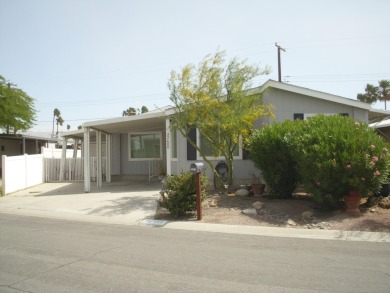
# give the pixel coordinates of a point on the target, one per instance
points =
(258, 188)
(352, 202)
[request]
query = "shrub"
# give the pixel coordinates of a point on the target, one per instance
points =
(180, 193)
(336, 154)
(272, 154)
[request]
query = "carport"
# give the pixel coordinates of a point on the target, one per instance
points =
(113, 132)
(382, 127)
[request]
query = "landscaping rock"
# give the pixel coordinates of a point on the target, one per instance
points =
(258, 205)
(291, 222)
(374, 200)
(213, 203)
(385, 203)
(306, 215)
(250, 212)
(242, 192)
(322, 225)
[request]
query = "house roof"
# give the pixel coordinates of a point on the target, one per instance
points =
(372, 112)
(28, 137)
(142, 122)
(313, 93)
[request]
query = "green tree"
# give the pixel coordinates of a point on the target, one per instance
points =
(68, 127)
(144, 109)
(132, 111)
(376, 93)
(129, 112)
(215, 99)
(17, 111)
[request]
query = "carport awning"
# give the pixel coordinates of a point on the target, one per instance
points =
(381, 124)
(142, 122)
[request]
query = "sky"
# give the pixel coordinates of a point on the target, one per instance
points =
(92, 59)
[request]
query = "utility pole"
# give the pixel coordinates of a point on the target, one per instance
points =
(279, 65)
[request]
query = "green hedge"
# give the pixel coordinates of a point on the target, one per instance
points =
(329, 155)
(272, 154)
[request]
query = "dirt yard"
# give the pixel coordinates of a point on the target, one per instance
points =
(300, 212)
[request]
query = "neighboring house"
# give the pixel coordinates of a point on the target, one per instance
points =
(142, 146)
(382, 127)
(19, 144)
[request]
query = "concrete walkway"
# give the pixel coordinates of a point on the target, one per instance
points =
(129, 203)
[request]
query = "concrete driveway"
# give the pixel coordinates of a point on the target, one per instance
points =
(116, 202)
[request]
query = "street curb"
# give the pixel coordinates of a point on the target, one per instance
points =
(213, 228)
(282, 232)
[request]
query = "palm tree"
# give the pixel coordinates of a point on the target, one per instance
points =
(384, 90)
(60, 121)
(56, 113)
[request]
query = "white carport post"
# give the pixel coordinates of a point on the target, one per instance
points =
(168, 142)
(99, 158)
(76, 143)
(108, 157)
(87, 170)
(63, 159)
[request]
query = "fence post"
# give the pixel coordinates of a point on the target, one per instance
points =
(3, 159)
(25, 170)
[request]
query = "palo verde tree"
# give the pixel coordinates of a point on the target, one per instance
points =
(214, 98)
(17, 111)
(376, 93)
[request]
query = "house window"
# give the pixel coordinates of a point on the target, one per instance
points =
(174, 143)
(305, 116)
(145, 146)
(207, 149)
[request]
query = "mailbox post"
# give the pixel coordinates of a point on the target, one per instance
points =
(196, 168)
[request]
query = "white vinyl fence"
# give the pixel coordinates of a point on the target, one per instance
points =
(20, 172)
(73, 169)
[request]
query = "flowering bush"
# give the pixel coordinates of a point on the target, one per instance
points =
(336, 154)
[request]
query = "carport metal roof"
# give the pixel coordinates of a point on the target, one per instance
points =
(143, 122)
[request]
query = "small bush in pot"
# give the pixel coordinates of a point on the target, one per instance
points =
(179, 196)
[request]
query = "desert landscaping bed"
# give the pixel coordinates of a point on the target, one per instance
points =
(299, 212)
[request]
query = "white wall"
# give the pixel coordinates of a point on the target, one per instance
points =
(20, 172)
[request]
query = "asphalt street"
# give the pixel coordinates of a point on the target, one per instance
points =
(53, 255)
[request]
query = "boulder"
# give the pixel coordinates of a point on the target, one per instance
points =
(242, 192)
(385, 203)
(250, 212)
(258, 205)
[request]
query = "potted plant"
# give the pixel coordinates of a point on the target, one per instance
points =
(162, 174)
(257, 185)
